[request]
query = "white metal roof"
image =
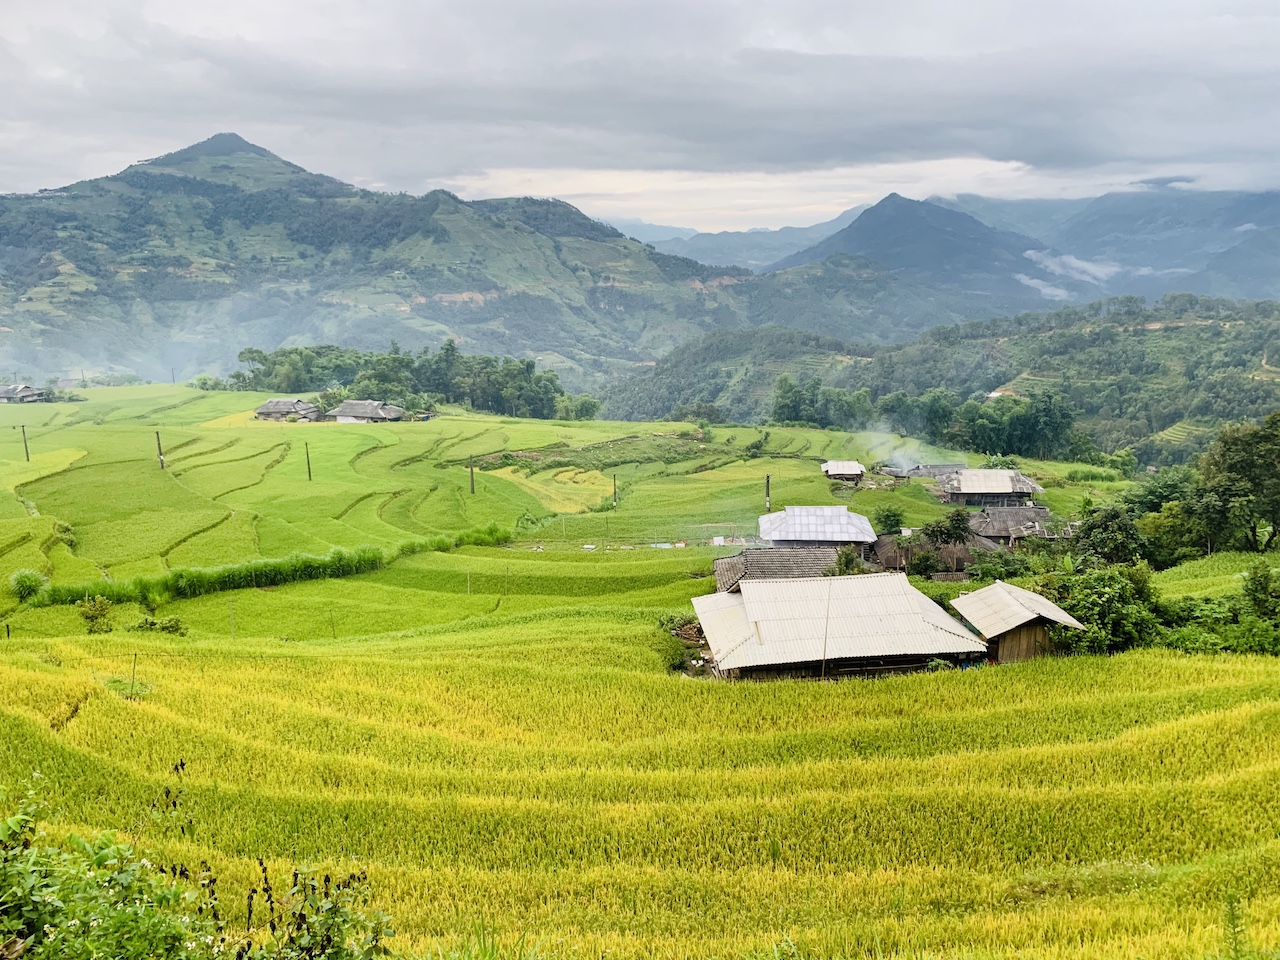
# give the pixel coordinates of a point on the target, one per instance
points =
(773, 622)
(843, 468)
(990, 481)
(1001, 607)
(817, 525)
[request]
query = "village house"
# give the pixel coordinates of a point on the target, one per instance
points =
(1008, 525)
(365, 411)
(816, 527)
(850, 470)
(830, 626)
(283, 409)
(22, 393)
(988, 488)
(772, 563)
(1014, 622)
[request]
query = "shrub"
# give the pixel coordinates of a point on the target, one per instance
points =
(26, 584)
(97, 614)
(925, 563)
(164, 625)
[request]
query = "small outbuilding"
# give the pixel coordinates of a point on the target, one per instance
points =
(772, 563)
(829, 626)
(22, 393)
(283, 409)
(850, 470)
(365, 411)
(1014, 622)
(988, 488)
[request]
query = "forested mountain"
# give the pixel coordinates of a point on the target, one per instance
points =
(1158, 378)
(182, 260)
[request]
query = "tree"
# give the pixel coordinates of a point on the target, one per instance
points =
(1110, 535)
(888, 520)
(1242, 468)
(950, 531)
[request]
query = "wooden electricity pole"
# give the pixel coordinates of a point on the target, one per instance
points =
(25, 449)
(307, 449)
(159, 450)
(615, 491)
(766, 493)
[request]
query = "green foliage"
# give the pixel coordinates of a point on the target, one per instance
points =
(887, 519)
(1242, 470)
(96, 612)
(1117, 605)
(1261, 591)
(810, 402)
(1110, 535)
(91, 899)
(26, 584)
(171, 625)
(848, 563)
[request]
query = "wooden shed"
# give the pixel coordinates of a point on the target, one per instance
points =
(1014, 622)
(850, 470)
(988, 488)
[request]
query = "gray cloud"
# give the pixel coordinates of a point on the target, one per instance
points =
(405, 95)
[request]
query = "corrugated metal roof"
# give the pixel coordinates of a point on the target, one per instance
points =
(817, 525)
(989, 481)
(843, 468)
(773, 563)
(1001, 607)
(773, 622)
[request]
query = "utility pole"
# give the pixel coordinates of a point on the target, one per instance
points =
(471, 466)
(25, 448)
(307, 448)
(159, 450)
(615, 491)
(173, 376)
(766, 493)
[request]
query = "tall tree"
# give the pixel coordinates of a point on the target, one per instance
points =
(1242, 468)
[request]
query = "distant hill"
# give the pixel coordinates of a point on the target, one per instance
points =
(754, 249)
(1152, 239)
(647, 232)
(947, 249)
(1160, 378)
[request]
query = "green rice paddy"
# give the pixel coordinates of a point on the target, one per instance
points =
(497, 733)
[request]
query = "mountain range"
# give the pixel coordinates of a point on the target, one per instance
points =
(179, 262)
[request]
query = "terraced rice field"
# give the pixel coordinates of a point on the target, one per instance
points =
(496, 733)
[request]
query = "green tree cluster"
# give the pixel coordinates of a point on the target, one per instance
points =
(415, 382)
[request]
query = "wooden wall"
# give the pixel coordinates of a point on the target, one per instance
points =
(1023, 643)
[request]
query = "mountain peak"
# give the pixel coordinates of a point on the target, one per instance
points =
(219, 145)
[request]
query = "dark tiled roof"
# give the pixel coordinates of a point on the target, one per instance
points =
(772, 563)
(367, 409)
(1010, 521)
(280, 405)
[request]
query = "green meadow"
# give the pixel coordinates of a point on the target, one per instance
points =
(497, 734)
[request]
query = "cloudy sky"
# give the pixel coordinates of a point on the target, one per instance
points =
(702, 113)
